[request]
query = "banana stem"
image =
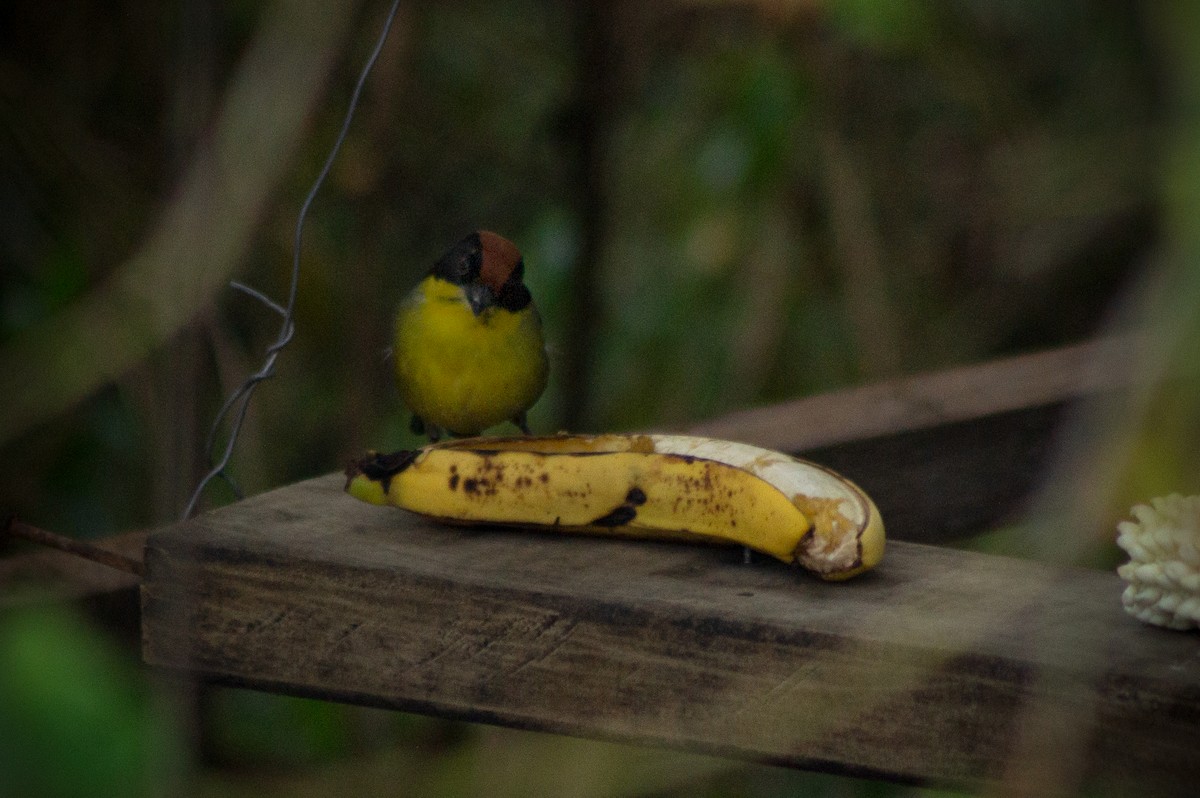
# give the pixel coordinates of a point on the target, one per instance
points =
(79, 548)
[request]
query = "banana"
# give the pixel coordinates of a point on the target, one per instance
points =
(673, 487)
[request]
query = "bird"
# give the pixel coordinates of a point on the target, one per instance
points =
(468, 349)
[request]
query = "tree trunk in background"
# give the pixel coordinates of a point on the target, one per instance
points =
(593, 112)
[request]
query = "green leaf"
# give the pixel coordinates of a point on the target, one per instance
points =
(76, 717)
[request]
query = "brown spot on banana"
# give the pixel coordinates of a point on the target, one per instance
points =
(626, 512)
(620, 516)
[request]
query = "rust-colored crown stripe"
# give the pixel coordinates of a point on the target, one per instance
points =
(500, 258)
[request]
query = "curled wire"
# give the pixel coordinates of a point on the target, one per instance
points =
(238, 402)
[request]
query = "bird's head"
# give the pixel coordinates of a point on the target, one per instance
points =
(490, 270)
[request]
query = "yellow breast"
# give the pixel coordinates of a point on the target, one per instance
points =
(464, 372)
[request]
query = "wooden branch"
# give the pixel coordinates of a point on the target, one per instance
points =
(60, 574)
(79, 548)
(943, 666)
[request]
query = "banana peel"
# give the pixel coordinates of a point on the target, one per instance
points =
(662, 487)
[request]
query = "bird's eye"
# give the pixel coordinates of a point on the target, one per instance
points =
(460, 264)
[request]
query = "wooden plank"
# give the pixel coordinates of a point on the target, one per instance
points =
(942, 666)
(947, 454)
(923, 401)
(944, 483)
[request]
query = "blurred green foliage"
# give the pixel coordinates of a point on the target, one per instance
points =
(795, 197)
(76, 716)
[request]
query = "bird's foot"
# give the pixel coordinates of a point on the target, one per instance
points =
(420, 426)
(522, 423)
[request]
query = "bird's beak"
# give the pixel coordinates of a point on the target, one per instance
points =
(479, 297)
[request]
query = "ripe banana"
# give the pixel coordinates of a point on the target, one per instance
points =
(644, 486)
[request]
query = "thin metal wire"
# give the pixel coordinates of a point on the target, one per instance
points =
(260, 296)
(244, 392)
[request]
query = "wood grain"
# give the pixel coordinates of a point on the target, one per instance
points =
(941, 666)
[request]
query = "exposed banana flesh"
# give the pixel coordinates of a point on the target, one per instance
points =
(644, 486)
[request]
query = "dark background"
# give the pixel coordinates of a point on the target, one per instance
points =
(721, 204)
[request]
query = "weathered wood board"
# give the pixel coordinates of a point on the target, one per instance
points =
(942, 666)
(931, 400)
(947, 454)
(945, 483)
